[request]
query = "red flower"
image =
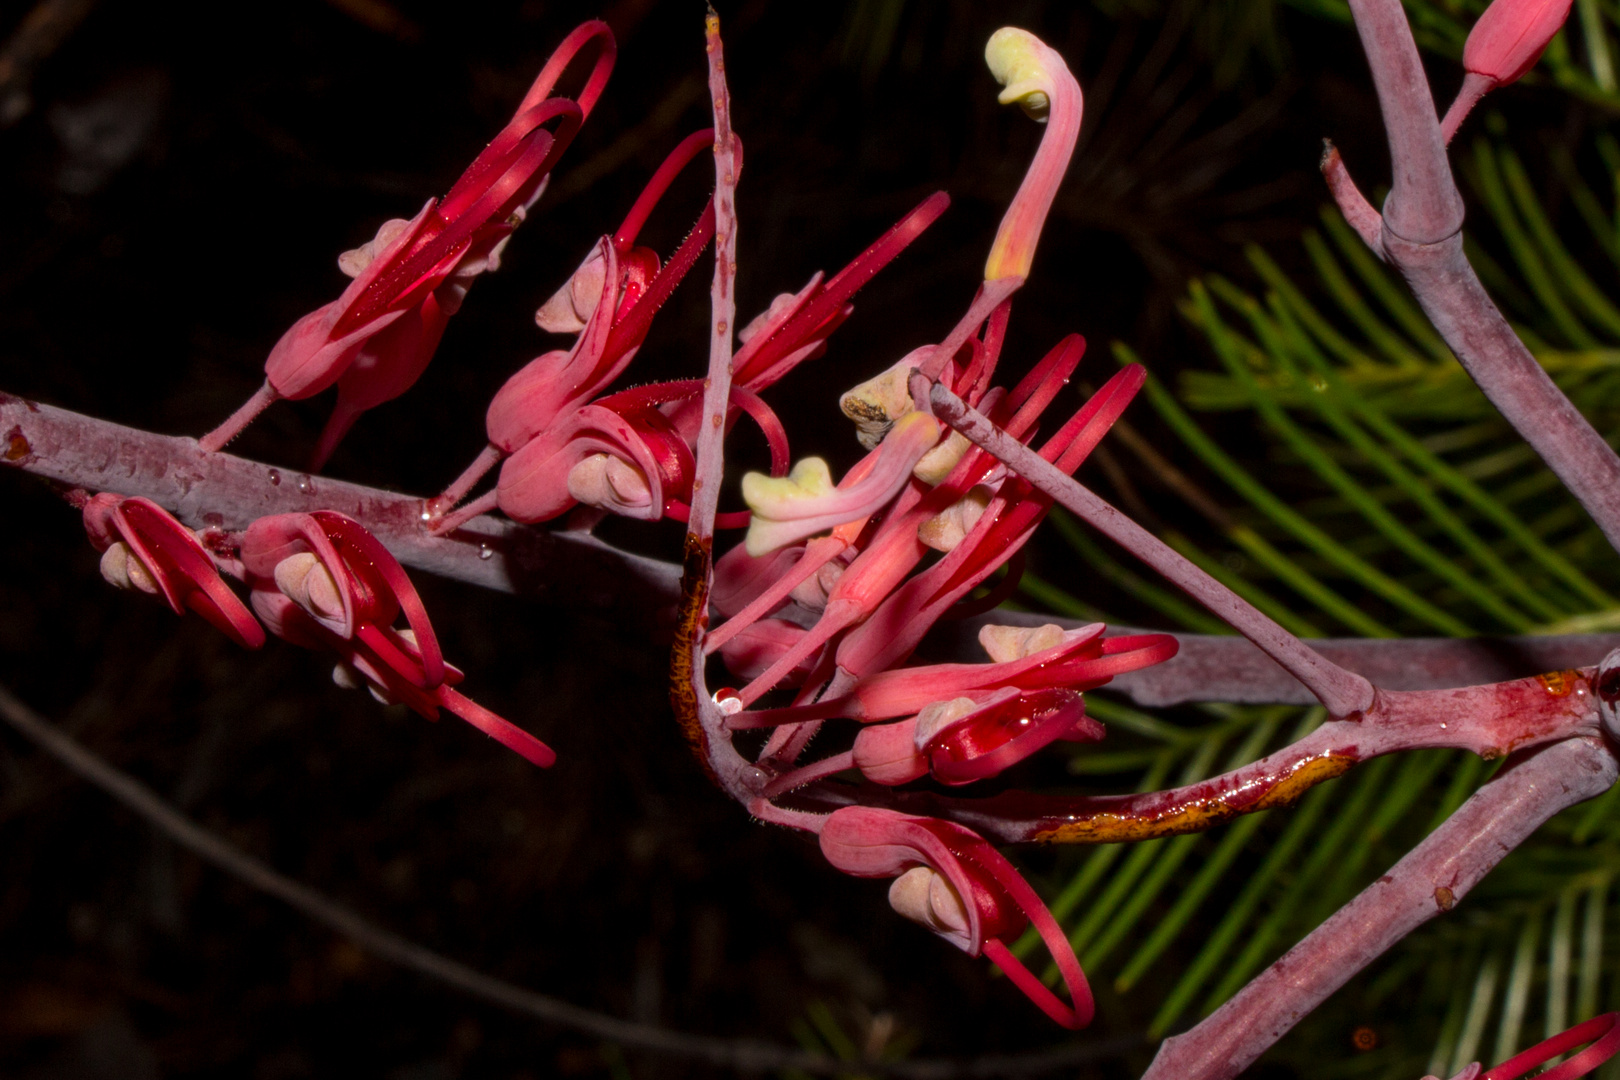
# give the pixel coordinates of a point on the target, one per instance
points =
(377, 338)
(1509, 38)
(320, 580)
(143, 547)
(949, 879)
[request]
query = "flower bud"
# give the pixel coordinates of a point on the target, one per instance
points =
(937, 464)
(950, 527)
(354, 262)
(123, 569)
(887, 754)
(940, 715)
(813, 591)
(610, 483)
(927, 898)
(306, 581)
(1509, 38)
(570, 307)
(1008, 643)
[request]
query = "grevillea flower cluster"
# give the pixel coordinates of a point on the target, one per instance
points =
(814, 617)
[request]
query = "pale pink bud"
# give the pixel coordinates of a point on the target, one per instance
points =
(1509, 38)
(610, 483)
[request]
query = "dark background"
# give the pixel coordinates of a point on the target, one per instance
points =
(177, 184)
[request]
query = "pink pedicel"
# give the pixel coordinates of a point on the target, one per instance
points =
(1505, 43)
(144, 548)
(417, 272)
(322, 581)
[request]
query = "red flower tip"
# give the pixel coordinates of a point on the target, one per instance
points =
(144, 548)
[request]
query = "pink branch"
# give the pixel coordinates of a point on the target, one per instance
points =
(1421, 236)
(229, 493)
(574, 570)
(1491, 721)
(1344, 693)
(1429, 881)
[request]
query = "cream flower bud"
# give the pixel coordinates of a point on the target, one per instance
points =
(1008, 643)
(814, 590)
(948, 528)
(940, 715)
(347, 677)
(878, 402)
(610, 483)
(570, 307)
(123, 569)
(937, 464)
(782, 302)
(355, 262)
(309, 584)
(925, 897)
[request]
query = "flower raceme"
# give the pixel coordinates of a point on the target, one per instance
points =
(376, 339)
(630, 453)
(320, 580)
(609, 302)
(144, 548)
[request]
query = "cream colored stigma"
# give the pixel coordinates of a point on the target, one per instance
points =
(772, 499)
(1015, 59)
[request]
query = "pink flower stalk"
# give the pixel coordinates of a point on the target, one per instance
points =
(1505, 43)
(1038, 80)
(322, 581)
(950, 880)
(144, 548)
(377, 338)
(611, 322)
